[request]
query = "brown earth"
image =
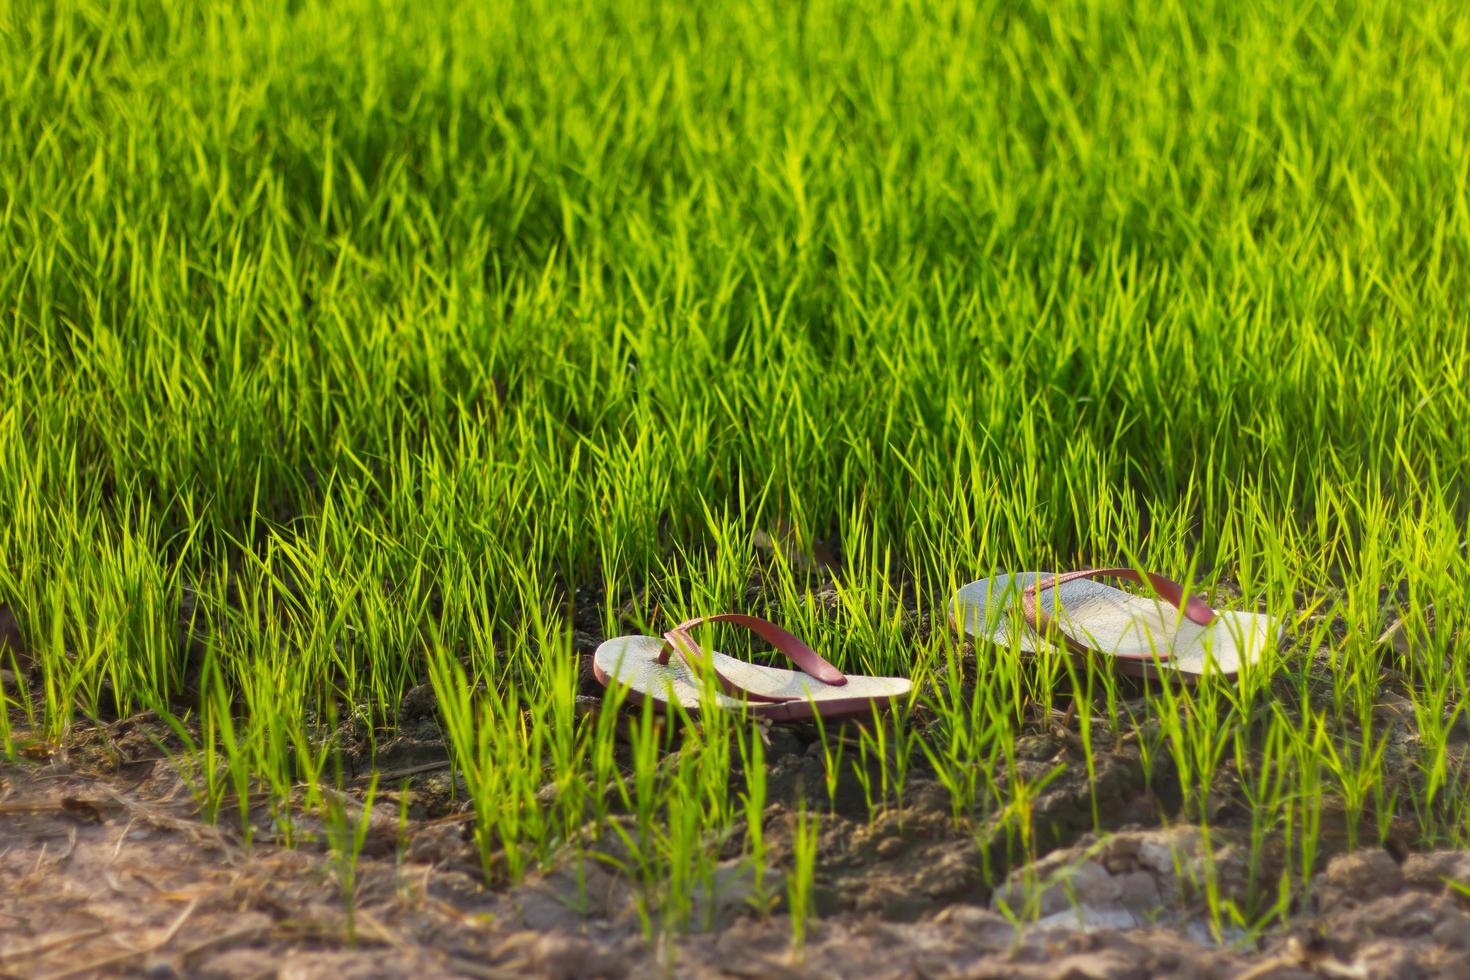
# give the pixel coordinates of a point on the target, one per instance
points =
(114, 875)
(106, 869)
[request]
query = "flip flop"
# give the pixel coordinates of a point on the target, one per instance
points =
(649, 668)
(1165, 634)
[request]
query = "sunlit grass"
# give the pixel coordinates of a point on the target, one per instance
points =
(357, 346)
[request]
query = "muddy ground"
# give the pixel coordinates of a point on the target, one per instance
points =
(107, 870)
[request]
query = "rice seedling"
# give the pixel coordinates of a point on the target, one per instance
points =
(799, 882)
(346, 838)
(753, 805)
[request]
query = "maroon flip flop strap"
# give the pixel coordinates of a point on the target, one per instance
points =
(798, 652)
(1194, 608)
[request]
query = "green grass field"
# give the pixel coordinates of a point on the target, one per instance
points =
(353, 346)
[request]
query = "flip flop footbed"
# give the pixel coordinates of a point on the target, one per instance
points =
(633, 661)
(1110, 620)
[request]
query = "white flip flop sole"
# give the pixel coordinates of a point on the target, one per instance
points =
(632, 661)
(1110, 620)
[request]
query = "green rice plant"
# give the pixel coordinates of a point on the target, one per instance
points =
(7, 742)
(1016, 816)
(198, 765)
(861, 768)
(804, 838)
(1224, 915)
(973, 737)
(683, 865)
(1263, 768)
(223, 743)
(751, 745)
(904, 737)
(885, 742)
(346, 839)
(834, 748)
(1303, 837)
(683, 811)
(1357, 771)
(640, 798)
(491, 747)
(1083, 678)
